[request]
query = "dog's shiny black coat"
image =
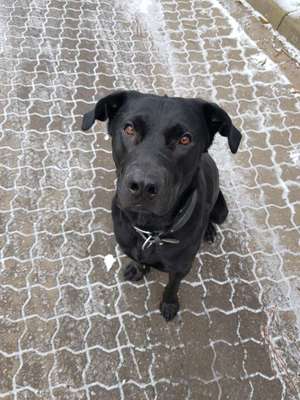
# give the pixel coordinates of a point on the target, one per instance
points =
(159, 146)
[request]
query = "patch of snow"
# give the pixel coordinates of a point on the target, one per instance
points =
(291, 50)
(259, 61)
(109, 260)
(150, 11)
(289, 5)
(144, 6)
(295, 155)
(148, 15)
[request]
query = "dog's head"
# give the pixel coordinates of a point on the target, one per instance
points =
(157, 144)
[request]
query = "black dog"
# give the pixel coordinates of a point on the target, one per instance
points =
(168, 194)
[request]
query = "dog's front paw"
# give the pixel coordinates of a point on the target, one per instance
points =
(210, 233)
(134, 272)
(169, 310)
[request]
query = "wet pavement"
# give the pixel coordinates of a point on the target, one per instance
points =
(70, 327)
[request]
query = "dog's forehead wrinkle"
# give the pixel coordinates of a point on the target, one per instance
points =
(159, 106)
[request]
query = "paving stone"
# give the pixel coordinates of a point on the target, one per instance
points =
(67, 394)
(71, 333)
(34, 371)
(41, 302)
(10, 333)
(238, 388)
(8, 369)
(38, 334)
(97, 392)
(103, 332)
(103, 367)
(68, 369)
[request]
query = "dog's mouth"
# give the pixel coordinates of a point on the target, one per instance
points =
(142, 208)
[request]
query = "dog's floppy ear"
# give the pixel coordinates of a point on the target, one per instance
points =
(219, 121)
(106, 108)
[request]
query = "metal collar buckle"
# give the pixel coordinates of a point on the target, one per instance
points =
(151, 238)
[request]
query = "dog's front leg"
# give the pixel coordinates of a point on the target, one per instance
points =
(170, 304)
(135, 271)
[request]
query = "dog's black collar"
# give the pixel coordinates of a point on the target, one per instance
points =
(185, 212)
(161, 237)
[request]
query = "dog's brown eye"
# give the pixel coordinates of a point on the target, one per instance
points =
(185, 139)
(129, 130)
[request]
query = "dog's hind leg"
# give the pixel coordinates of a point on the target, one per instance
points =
(220, 211)
(217, 216)
(210, 233)
(135, 272)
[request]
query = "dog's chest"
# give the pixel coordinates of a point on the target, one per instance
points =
(154, 254)
(165, 256)
(133, 245)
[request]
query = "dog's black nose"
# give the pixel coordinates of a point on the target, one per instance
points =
(145, 187)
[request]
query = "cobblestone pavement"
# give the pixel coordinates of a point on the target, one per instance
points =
(70, 328)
